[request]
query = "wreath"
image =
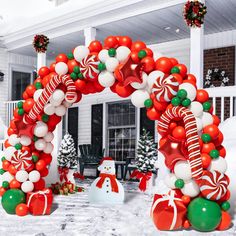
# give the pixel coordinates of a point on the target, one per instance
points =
(40, 43)
(194, 12)
(216, 74)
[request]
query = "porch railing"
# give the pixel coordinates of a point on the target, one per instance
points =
(10, 106)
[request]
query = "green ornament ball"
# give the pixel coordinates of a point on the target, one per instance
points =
(206, 106)
(186, 102)
(225, 206)
(20, 104)
(174, 70)
(214, 154)
(35, 158)
(45, 118)
(18, 146)
(175, 101)
(5, 184)
(148, 103)
(80, 76)
(101, 66)
(2, 171)
(206, 138)
(38, 85)
(142, 54)
(73, 76)
(204, 215)
(179, 183)
(112, 52)
(182, 94)
(70, 56)
(35, 138)
(76, 69)
(3, 158)
(21, 111)
(11, 198)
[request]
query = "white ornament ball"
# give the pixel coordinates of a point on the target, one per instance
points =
(138, 98)
(182, 170)
(61, 68)
(40, 144)
(7, 177)
(60, 110)
(142, 85)
(49, 109)
(49, 148)
(13, 139)
(207, 119)
(190, 188)
(106, 79)
(196, 108)
(49, 137)
(153, 76)
(37, 94)
(22, 176)
(103, 55)
(9, 153)
(80, 53)
(25, 140)
(27, 187)
(169, 180)
(41, 129)
(199, 124)
(58, 95)
(111, 64)
(190, 89)
(218, 164)
(34, 176)
(122, 53)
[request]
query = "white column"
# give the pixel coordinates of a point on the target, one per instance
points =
(41, 60)
(89, 35)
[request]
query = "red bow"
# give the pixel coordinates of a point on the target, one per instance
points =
(63, 172)
(77, 175)
(114, 185)
(143, 177)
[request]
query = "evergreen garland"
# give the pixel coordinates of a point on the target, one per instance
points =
(146, 153)
(67, 156)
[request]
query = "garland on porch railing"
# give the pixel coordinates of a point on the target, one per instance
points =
(40, 43)
(194, 12)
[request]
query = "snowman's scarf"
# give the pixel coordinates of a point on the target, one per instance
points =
(114, 185)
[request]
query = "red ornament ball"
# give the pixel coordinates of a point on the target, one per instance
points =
(164, 64)
(22, 209)
(111, 42)
(179, 132)
(40, 165)
(62, 58)
(202, 95)
(212, 130)
(225, 221)
(137, 46)
(43, 71)
(206, 160)
(95, 46)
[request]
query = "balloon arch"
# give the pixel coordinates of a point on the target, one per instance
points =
(191, 140)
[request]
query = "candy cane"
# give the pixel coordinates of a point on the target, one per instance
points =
(193, 146)
(47, 93)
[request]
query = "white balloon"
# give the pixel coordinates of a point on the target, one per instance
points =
(111, 64)
(49, 137)
(169, 180)
(60, 110)
(22, 176)
(80, 53)
(103, 55)
(142, 85)
(106, 79)
(49, 109)
(49, 148)
(25, 140)
(13, 139)
(9, 153)
(67, 104)
(190, 188)
(61, 68)
(207, 119)
(7, 177)
(196, 108)
(190, 89)
(34, 176)
(58, 95)
(138, 98)
(41, 129)
(27, 187)
(122, 53)
(37, 94)
(218, 164)
(40, 144)
(199, 124)
(152, 77)
(182, 170)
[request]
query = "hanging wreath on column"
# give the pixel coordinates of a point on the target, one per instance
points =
(40, 43)
(194, 12)
(216, 74)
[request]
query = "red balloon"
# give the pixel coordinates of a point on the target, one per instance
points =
(113, 87)
(218, 141)
(206, 160)
(16, 115)
(191, 77)
(226, 221)
(174, 61)
(22, 209)
(28, 104)
(71, 64)
(212, 130)
(12, 124)
(221, 150)
(79, 96)
(137, 46)
(98, 87)
(62, 58)
(149, 52)
(202, 95)
(52, 67)
(149, 64)
(43, 71)
(159, 106)
(179, 132)
(152, 114)
(5, 165)
(164, 64)
(30, 89)
(95, 46)
(134, 57)
(40, 185)
(38, 80)
(183, 69)
(11, 131)
(7, 144)
(40, 165)
(12, 170)
(53, 121)
(15, 184)
(26, 149)
(2, 191)
(111, 42)
(25, 95)
(123, 91)
(178, 77)
(207, 147)
(125, 41)
(44, 172)
(46, 157)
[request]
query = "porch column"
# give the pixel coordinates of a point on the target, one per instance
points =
(41, 60)
(89, 35)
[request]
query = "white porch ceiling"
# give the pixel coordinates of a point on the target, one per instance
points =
(149, 27)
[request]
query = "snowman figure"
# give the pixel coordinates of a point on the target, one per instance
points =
(106, 189)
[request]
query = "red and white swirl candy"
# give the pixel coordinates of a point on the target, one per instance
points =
(165, 88)
(213, 185)
(89, 67)
(21, 160)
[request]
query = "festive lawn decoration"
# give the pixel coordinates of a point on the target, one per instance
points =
(65, 188)
(191, 141)
(40, 43)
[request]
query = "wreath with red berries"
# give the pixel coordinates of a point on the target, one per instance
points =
(40, 43)
(194, 12)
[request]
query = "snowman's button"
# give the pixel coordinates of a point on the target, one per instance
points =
(107, 185)
(107, 180)
(107, 191)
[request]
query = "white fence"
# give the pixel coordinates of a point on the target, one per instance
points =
(10, 106)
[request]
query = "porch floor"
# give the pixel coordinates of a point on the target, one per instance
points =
(73, 215)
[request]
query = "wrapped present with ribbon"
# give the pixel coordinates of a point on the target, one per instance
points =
(40, 202)
(143, 178)
(168, 211)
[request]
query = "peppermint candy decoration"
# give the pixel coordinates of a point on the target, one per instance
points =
(21, 160)
(165, 88)
(213, 185)
(89, 67)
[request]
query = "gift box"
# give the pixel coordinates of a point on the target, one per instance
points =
(40, 202)
(168, 211)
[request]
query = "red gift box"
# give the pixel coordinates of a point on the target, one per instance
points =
(168, 211)
(40, 202)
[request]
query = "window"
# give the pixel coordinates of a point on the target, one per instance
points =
(146, 123)
(121, 126)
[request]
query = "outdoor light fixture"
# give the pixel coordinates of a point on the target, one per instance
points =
(1, 76)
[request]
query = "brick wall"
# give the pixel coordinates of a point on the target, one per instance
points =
(224, 59)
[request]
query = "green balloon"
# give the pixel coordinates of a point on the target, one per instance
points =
(148, 103)
(38, 85)
(5, 184)
(186, 102)
(11, 198)
(18, 146)
(112, 52)
(45, 118)
(76, 69)
(70, 55)
(214, 154)
(35, 158)
(2, 171)
(204, 215)
(174, 70)
(225, 206)
(179, 183)
(80, 76)
(206, 138)
(206, 106)
(3, 158)
(142, 54)
(101, 66)
(182, 94)
(20, 104)
(175, 101)
(21, 111)
(73, 76)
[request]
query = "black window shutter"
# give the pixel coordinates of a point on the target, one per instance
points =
(97, 125)
(149, 125)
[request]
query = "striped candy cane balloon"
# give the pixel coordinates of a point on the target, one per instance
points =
(193, 146)
(89, 67)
